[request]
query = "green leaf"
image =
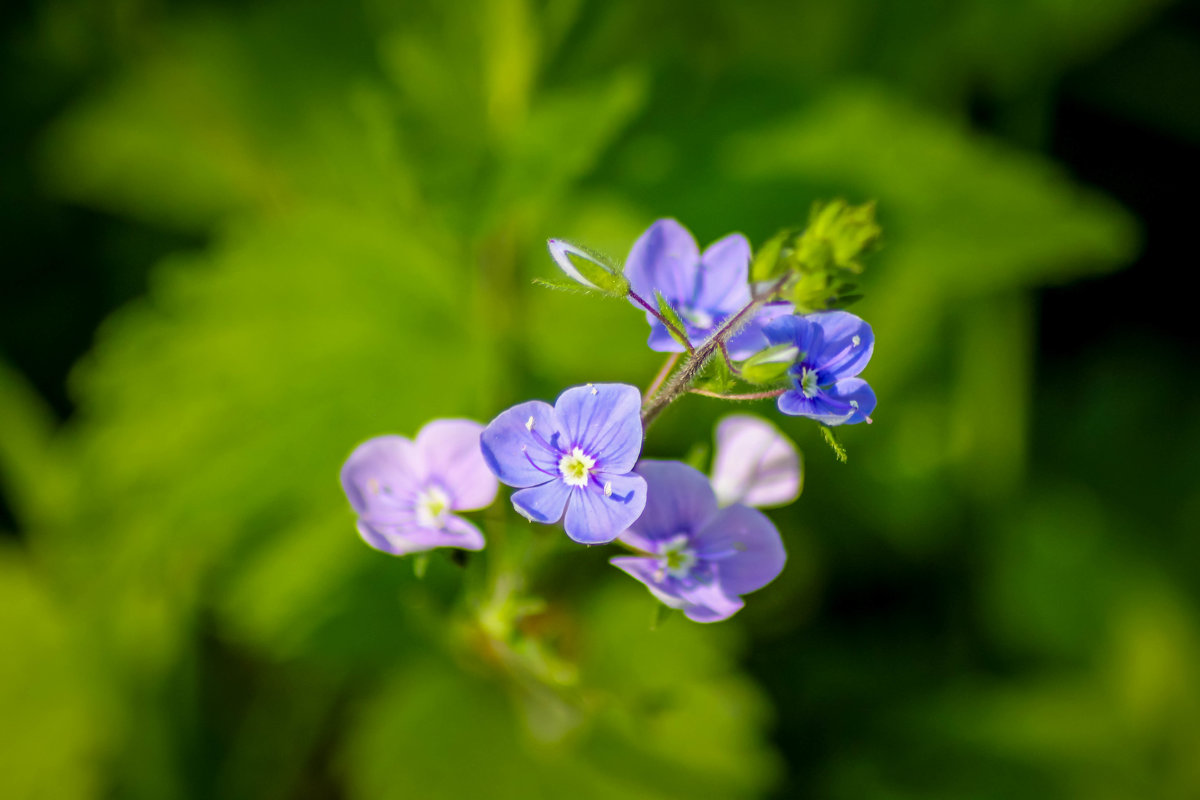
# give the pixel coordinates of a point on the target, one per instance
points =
(832, 440)
(677, 328)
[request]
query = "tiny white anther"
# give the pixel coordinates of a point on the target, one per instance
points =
(373, 486)
(854, 403)
(522, 448)
(593, 388)
(857, 340)
(659, 576)
(529, 424)
(608, 488)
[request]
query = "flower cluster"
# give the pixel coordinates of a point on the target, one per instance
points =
(699, 544)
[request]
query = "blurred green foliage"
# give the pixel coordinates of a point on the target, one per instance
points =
(189, 613)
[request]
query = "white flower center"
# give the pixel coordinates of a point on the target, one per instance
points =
(432, 504)
(575, 467)
(677, 558)
(808, 382)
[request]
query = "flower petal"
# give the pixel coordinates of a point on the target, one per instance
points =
(518, 454)
(382, 475)
(661, 341)
(821, 408)
(851, 391)
(605, 421)
(678, 500)
(752, 338)
(754, 463)
(452, 456)
(665, 258)
(722, 284)
(594, 517)
(757, 550)
(840, 356)
(709, 603)
(644, 569)
(797, 330)
(401, 540)
(543, 503)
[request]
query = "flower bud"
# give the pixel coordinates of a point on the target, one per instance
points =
(589, 269)
(768, 366)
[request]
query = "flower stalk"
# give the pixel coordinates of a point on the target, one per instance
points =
(680, 382)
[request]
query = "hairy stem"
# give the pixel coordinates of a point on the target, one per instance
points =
(682, 379)
(667, 366)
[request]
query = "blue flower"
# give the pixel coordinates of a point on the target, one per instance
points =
(703, 289)
(573, 461)
(834, 346)
(404, 491)
(694, 556)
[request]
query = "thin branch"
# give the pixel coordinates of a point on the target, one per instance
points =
(667, 366)
(729, 361)
(683, 378)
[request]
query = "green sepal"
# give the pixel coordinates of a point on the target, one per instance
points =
(677, 328)
(768, 366)
(573, 287)
(832, 440)
(420, 564)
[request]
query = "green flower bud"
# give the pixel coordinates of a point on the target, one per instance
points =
(768, 366)
(590, 269)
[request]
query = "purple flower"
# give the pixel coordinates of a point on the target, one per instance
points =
(404, 491)
(697, 557)
(754, 463)
(703, 289)
(576, 457)
(833, 346)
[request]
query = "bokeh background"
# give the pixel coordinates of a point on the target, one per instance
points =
(239, 238)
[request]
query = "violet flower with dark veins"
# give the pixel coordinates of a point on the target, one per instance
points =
(573, 461)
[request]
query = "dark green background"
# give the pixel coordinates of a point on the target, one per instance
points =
(240, 238)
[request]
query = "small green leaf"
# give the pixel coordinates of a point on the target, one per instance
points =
(677, 328)
(832, 440)
(420, 564)
(715, 376)
(770, 262)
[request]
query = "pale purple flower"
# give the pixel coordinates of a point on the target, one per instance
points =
(404, 491)
(834, 346)
(704, 289)
(573, 461)
(754, 463)
(694, 556)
